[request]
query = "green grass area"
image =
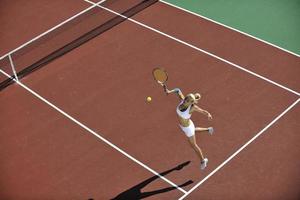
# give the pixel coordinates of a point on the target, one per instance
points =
(275, 21)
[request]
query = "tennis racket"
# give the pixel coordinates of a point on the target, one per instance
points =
(160, 75)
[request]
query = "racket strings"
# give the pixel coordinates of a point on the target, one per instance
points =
(160, 75)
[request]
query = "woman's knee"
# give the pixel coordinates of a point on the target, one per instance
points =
(193, 143)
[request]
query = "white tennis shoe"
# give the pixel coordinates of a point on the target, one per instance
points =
(210, 130)
(203, 163)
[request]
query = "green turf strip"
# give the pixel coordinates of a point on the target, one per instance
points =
(275, 21)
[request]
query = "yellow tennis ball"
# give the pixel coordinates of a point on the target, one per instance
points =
(149, 99)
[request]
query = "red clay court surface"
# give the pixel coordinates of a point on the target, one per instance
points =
(103, 85)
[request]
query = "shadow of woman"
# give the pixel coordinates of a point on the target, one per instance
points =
(135, 192)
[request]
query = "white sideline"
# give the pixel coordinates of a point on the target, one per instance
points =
(240, 149)
(199, 49)
(92, 132)
(231, 28)
(51, 29)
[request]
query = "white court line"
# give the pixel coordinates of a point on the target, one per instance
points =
(92, 132)
(240, 149)
(13, 67)
(51, 29)
(199, 49)
(231, 28)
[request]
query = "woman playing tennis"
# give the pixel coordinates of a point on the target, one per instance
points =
(184, 111)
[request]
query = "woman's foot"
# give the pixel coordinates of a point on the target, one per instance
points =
(210, 130)
(203, 163)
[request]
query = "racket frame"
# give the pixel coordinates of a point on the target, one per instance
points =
(164, 71)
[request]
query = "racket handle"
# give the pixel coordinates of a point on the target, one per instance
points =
(165, 89)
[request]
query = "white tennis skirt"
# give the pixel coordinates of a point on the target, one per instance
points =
(189, 130)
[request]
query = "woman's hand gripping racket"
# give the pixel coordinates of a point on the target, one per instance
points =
(161, 76)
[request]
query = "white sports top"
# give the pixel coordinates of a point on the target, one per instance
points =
(185, 114)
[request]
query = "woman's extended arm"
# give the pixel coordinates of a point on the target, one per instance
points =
(175, 90)
(196, 108)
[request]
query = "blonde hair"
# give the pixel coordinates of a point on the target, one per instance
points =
(197, 96)
(190, 95)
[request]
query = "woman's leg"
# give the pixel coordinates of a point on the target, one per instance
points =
(192, 141)
(209, 129)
